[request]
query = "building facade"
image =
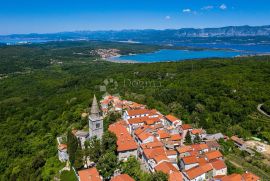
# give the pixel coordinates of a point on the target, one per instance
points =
(95, 121)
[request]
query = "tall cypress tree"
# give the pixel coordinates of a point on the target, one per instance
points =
(188, 138)
(72, 146)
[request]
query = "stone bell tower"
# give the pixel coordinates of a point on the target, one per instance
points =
(95, 120)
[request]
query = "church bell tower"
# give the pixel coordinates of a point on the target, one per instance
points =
(95, 121)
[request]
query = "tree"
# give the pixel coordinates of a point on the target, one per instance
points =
(132, 168)
(188, 138)
(197, 139)
(109, 142)
(159, 176)
(72, 146)
(107, 164)
(94, 150)
(79, 162)
(110, 119)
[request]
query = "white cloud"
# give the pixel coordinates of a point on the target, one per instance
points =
(223, 6)
(186, 10)
(167, 17)
(207, 7)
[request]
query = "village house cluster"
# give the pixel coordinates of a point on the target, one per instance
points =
(159, 142)
(106, 53)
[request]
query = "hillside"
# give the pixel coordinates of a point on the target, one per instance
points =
(45, 88)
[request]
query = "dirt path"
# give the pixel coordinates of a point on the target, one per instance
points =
(261, 111)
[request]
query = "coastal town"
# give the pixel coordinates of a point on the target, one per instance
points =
(161, 143)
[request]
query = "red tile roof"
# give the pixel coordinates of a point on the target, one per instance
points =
(122, 177)
(175, 176)
(151, 121)
(141, 130)
(190, 160)
(170, 152)
(202, 161)
(213, 155)
(163, 134)
(184, 149)
(171, 118)
(218, 164)
(168, 168)
(176, 137)
(90, 174)
(237, 140)
(138, 112)
(124, 140)
(62, 147)
(161, 157)
(194, 172)
(186, 126)
(250, 177)
(199, 147)
(206, 167)
(137, 120)
(151, 145)
(165, 167)
(144, 136)
(154, 152)
(232, 177)
(196, 131)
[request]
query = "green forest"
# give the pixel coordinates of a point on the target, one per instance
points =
(46, 87)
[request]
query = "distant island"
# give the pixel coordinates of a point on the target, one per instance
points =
(148, 35)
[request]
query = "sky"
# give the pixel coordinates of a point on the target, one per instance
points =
(48, 16)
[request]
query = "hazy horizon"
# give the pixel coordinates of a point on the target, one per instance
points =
(132, 29)
(48, 16)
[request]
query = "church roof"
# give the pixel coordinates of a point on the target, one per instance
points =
(95, 108)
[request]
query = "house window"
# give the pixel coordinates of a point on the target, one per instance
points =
(98, 125)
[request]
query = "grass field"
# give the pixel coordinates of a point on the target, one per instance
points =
(239, 162)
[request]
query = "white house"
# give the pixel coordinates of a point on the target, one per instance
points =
(220, 167)
(62, 152)
(188, 162)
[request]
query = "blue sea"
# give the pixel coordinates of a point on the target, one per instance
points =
(177, 55)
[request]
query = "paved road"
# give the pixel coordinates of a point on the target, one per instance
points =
(261, 111)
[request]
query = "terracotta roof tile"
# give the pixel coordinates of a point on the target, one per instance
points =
(138, 112)
(213, 155)
(151, 145)
(184, 149)
(206, 167)
(196, 131)
(122, 177)
(90, 174)
(124, 140)
(163, 134)
(232, 177)
(218, 164)
(171, 118)
(151, 121)
(186, 126)
(190, 160)
(194, 172)
(237, 140)
(171, 152)
(144, 136)
(168, 168)
(250, 177)
(176, 137)
(62, 146)
(165, 167)
(199, 147)
(175, 176)
(137, 120)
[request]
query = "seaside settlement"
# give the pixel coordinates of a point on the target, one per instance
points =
(158, 142)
